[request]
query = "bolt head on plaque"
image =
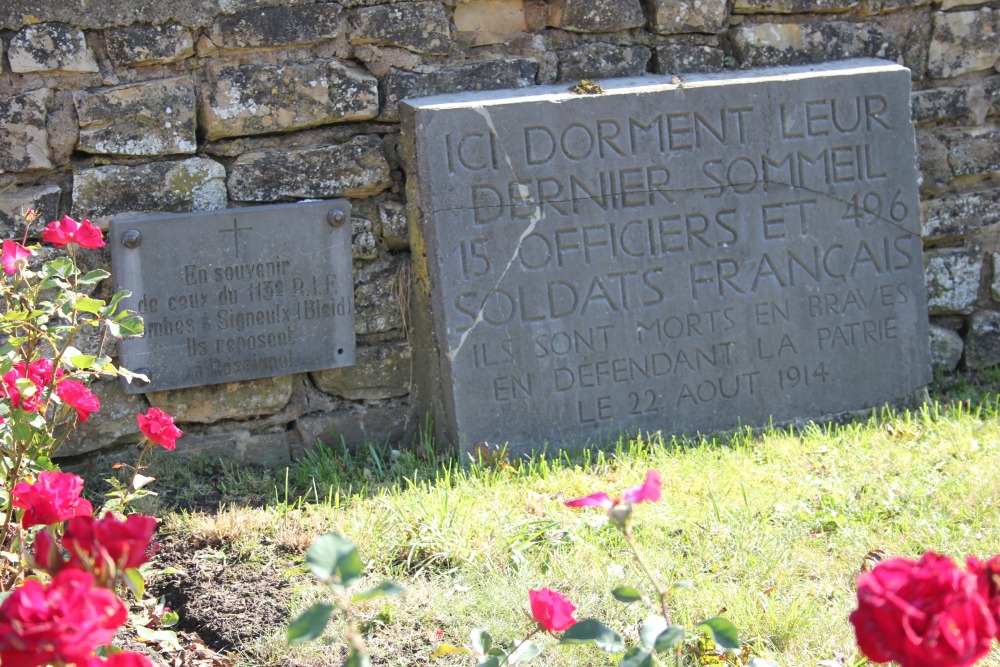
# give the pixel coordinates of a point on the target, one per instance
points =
(131, 238)
(336, 217)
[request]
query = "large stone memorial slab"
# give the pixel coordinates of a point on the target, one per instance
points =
(666, 255)
(237, 294)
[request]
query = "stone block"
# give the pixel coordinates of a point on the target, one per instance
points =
(991, 90)
(395, 230)
(596, 15)
(382, 371)
(278, 26)
(962, 214)
(792, 6)
(952, 277)
(982, 341)
(50, 47)
(771, 44)
(972, 150)
(63, 127)
(15, 200)
(964, 41)
(26, 139)
(932, 159)
(232, 400)
(147, 118)
(602, 61)
(364, 245)
(484, 22)
(421, 27)
(888, 6)
(668, 17)
(239, 100)
(688, 58)
(356, 168)
(481, 75)
(358, 426)
(946, 349)
(937, 104)
(146, 44)
(113, 424)
(376, 305)
(195, 184)
(270, 449)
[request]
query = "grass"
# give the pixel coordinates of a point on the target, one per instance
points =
(769, 527)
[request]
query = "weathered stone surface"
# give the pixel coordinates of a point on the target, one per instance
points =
(16, 200)
(114, 424)
(357, 168)
(952, 278)
(973, 150)
(63, 127)
(145, 44)
(271, 450)
(937, 104)
(887, 6)
(946, 348)
(484, 22)
(148, 118)
(995, 283)
(376, 305)
(596, 15)
(278, 26)
(482, 75)
(26, 139)
(233, 400)
(601, 61)
(688, 58)
(793, 43)
(421, 27)
(932, 159)
(379, 60)
(957, 215)
(364, 245)
(674, 16)
(50, 47)
(357, 426)
(382, 371)
(395, 230)
(964, 42)
(792, 6)
(982, 341)
(195, 184)
(991, 90)
(257, 99)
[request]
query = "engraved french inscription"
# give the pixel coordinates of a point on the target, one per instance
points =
(236, 294)
(678, 259)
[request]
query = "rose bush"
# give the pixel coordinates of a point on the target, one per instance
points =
(53, 498)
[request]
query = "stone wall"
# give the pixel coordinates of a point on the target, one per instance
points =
(128, 106)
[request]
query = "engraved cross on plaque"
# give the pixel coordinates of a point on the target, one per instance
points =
(235, 231)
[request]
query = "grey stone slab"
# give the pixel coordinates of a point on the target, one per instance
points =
(278, 26)
(51, 47)
(421, 27)
(964, 41)
(952, 276)
(768, 44)
(688, 58)
(597, 15)
(26, 140)
(678, 16)
(237, 294)
(145, 44)
(592, 61)
(665, 257)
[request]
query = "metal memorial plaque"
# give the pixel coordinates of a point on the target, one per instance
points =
(671, 256)
(237, 294)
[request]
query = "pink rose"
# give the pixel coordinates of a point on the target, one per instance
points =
(62, 622)
(926, 613)
(988, 579)
(123, 659)
(54, 497)
(107, 547)
(552, 610)
(67, 230)
(15, 257)
(648, 491)
(75, 394)
(159, 427)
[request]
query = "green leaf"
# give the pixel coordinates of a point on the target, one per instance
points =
(93, 277)
(724, 634)
(83, 360)
(651, 629)
(668, 638)
(481, 641)
(761, 662)
(445, 649)
(626, 594)
(385, 588)
(592, 630)
(637, 657)
(169, 619)
(488, 661)
(22, 431)
(85, 304)
(168, 637)
(310, 624)
(130, 325)
(357, 659)
(524, 652)
(331, 557)
(134, 582)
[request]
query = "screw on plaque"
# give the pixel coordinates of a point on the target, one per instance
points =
(336, 217)
(131, 238)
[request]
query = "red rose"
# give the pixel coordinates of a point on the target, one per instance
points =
(552, 610)
(159, 427)
(54, 497)
(76, 394)
(45, 554)
(107, 547)
(62, 622)
(15, 257)
(927, 613)
(123, 659)
(66, 231)
(988, 579)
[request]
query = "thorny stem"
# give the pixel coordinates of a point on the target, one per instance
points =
(630, 539)
(521, 643)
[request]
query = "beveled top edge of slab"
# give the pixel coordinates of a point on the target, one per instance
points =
(652, 83)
